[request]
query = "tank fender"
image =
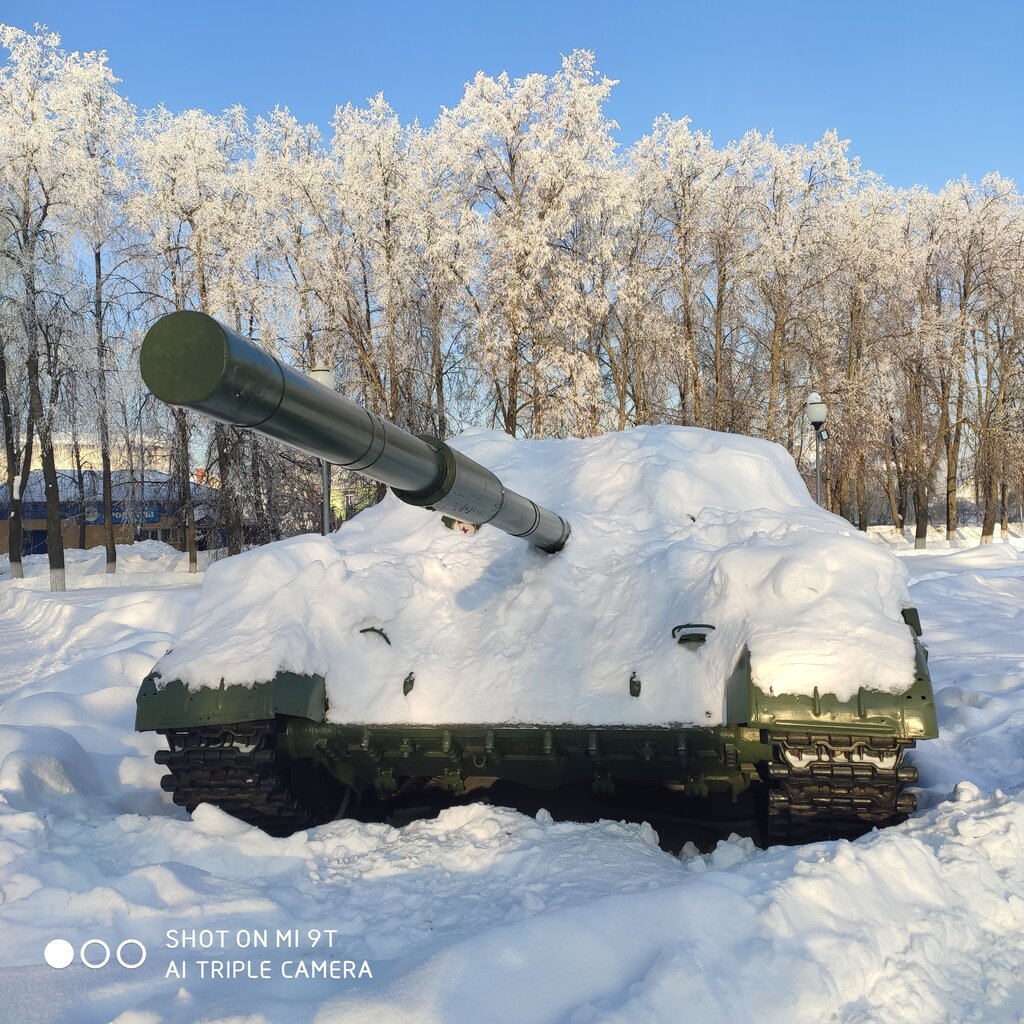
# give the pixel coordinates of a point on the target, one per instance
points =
(909, 715)
(172, 704)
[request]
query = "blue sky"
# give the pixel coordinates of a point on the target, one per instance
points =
(926, 91)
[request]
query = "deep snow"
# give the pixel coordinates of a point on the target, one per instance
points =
(670, 526)
(484, 913)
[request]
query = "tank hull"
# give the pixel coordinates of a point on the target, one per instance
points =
(822, 766)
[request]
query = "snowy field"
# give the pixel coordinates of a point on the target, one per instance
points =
(485, 914)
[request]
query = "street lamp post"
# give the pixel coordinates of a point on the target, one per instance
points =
(816, 412)
(325, 377)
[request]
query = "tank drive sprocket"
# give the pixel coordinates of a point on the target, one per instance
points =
(822, 786)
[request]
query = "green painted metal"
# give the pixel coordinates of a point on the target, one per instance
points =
(173, 705)
(701, 760)
(909, 715)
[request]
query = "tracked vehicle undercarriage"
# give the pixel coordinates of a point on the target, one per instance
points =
(818, 768)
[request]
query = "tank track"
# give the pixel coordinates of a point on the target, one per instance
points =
(237, 768)
(819, 786)
(824, 786)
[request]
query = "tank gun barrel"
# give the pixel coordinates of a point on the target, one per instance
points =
(190, 360)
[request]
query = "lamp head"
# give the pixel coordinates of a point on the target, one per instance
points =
(815, 410)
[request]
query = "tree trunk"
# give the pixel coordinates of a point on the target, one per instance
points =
(54, 540)
(693, 367)
(989, 494)
(101, 389)
(437, 357)
(988, 520)
(16, 482)
(954, 440)
(719, 350)
(15, 529)
(774, 379)
(902, 488)
(80, 485)
(891, 492)
(921, 515)
(952, 457)
(511, 411)
(186, 519)
(843, 496)
(108, 495)
(16, 532)
(264, 534)
(862, 501)
(230, 504)
(1004, 513)
(951, 512)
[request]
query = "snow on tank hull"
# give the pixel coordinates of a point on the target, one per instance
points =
(820, 767)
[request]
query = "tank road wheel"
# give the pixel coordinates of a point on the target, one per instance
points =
(238, 768)
(833, 787)
(316, 789)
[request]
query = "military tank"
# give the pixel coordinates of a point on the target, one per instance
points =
(289, 749)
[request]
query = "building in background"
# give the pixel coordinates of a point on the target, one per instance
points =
(145, 508)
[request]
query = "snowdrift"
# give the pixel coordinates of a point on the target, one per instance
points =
(485, 913)
(670, 526)
(145, 561)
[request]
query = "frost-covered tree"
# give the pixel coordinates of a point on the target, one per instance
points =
(680, 167)
(796, 191)
(373, 187)
(991, 325)
(15, 419)
(971, 263)
(105, 125)
(45, 94)
(185, 208)
(533, 155)
(304, 287)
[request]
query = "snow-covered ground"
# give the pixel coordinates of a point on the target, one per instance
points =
(485, 913)
(148, 561)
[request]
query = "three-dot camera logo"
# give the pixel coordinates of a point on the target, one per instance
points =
(95, 953)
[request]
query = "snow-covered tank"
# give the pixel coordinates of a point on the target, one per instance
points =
(704, 624)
